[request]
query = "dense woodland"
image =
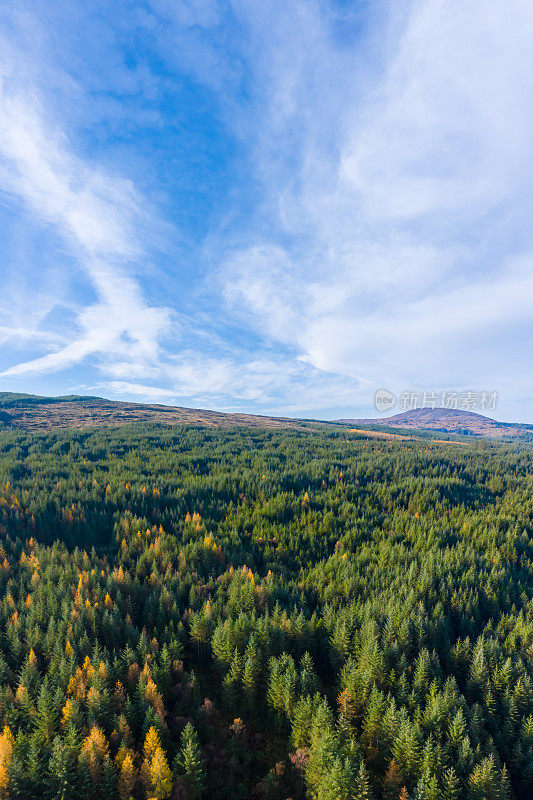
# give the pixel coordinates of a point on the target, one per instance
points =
(195, 613)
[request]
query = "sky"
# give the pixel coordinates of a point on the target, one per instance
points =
(268, 207)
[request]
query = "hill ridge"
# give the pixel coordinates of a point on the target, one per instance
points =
(449, 420)
(33, 412)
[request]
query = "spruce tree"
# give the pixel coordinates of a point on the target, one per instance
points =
(47, 719)
(61, 777)
(189, 763)
(361, 785)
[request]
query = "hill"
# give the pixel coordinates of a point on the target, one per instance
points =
(449, 420)
(31, 412)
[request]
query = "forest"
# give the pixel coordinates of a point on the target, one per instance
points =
(189, 612)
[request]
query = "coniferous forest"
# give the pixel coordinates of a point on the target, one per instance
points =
(198, 613)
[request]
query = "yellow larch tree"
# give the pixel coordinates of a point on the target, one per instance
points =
(151, 744)
(127, 778)
(155, 699)
(66, 711)
(95, 750)
(160, 775)
(7, 744)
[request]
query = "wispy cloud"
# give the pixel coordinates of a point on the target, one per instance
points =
(407, 260)
(372, 230)
(95, 214)
(154, 393)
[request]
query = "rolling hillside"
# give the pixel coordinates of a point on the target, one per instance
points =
(449, 420)
(31, 412)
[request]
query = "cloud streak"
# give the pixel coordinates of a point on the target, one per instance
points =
(371, 228)
(96, 216)
(409, 260)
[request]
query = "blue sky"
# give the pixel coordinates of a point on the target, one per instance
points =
(274, 207)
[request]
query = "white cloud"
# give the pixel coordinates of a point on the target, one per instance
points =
(259, 285)
(154, 393)
(385, 239)
(95, 214)
(449, 131)
(272, 385)
(407, 259)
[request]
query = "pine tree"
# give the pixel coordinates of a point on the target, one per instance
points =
(85, 782)
(505, 790)
(302, 718)
(361, 786)
(61, 772)
(19, 784)
(221, 645)
(451, 785)
(189, 762)
(47, 720)
(308, 678)
(36, 762)
(151, 743)
(406, 749)
(427, 788)
(337, 782)
(457, 729)
(325, 747)
(109, 780)
(485, 782)
(251, 672)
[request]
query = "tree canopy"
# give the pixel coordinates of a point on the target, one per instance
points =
(189, 612)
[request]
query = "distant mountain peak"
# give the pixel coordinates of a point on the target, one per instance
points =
(437, 414)
(449, 420)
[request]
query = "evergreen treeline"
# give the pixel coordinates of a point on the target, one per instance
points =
(193, 613)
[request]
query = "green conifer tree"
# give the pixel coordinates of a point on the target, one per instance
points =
(189, 763)
(61, 777)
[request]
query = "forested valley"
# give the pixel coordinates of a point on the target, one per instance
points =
(189, 613)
